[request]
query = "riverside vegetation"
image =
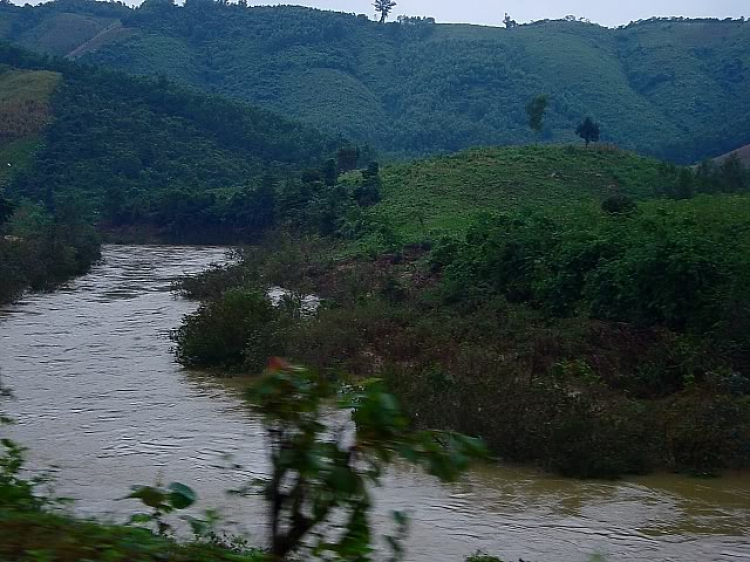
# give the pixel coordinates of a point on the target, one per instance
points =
(594, 339)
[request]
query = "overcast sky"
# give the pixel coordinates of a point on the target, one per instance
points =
(491, 12)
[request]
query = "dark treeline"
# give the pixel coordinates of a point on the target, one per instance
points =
(40, 249)
(145, 152)
(709, 177)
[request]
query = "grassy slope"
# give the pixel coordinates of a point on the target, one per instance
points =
(24, 86)
(62, 33)
(17, 86)
(443, 195)
(674, 89)
(16, 156)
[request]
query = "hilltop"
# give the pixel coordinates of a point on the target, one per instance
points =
(671, 89)
(444, 195)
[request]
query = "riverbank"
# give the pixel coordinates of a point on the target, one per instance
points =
(577, 395)
(101, 398)
(28, 536)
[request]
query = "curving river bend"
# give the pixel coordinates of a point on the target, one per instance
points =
(98, 395)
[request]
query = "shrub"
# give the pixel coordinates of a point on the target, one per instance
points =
(619, 205)
(237, 329)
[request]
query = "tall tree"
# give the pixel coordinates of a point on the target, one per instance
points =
(536, 110)
(588, 130)
(347, 157)
(384, 7)
(509, 22)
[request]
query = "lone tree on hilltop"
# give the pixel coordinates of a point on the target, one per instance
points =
(588, 131)
(509, 22)
(536, 110)
(384, 7)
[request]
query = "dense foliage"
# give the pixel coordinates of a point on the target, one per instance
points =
(592, 341)
(39, 250)
(682, 266)
(42, 243)
(674, 89)
(145, 152)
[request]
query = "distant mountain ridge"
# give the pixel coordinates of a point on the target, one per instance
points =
(743, 153)
(672, 89)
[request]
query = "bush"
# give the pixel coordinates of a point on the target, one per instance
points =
(675, 264)
(235, 330)
(619, 205)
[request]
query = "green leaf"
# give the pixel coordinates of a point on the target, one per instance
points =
(140, 518)
(149, 496)
(181, 496)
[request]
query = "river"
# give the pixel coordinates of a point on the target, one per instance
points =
(99, 396)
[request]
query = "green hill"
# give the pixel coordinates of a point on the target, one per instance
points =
(140, 151)
(444, 195)
(24, 112)
(668, 88)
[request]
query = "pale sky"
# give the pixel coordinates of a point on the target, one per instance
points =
(491, 12)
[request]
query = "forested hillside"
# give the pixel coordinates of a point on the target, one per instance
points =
(145, 152)
(672, 89)
(40, 245)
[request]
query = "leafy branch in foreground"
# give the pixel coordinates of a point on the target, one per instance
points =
(323, 464)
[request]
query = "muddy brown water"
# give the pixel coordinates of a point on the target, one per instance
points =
(98, 395)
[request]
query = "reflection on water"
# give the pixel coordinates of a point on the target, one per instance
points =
(99, 396)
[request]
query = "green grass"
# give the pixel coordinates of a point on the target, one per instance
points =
(27, 86)
(36, 537)
(15, 156)
(19, 87)
(442, 196)
(62, 33)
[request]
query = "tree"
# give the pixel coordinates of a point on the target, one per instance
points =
(6, 209)
(320, 467)
(509, 23)
(347, 158)
(536, 110)
(368, 193)
(384, 7)
(732, 174)
(330, 172)
(588, 130)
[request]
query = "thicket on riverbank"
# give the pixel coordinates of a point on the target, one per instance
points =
(40, 250)
(592, 343)
(29, 537)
